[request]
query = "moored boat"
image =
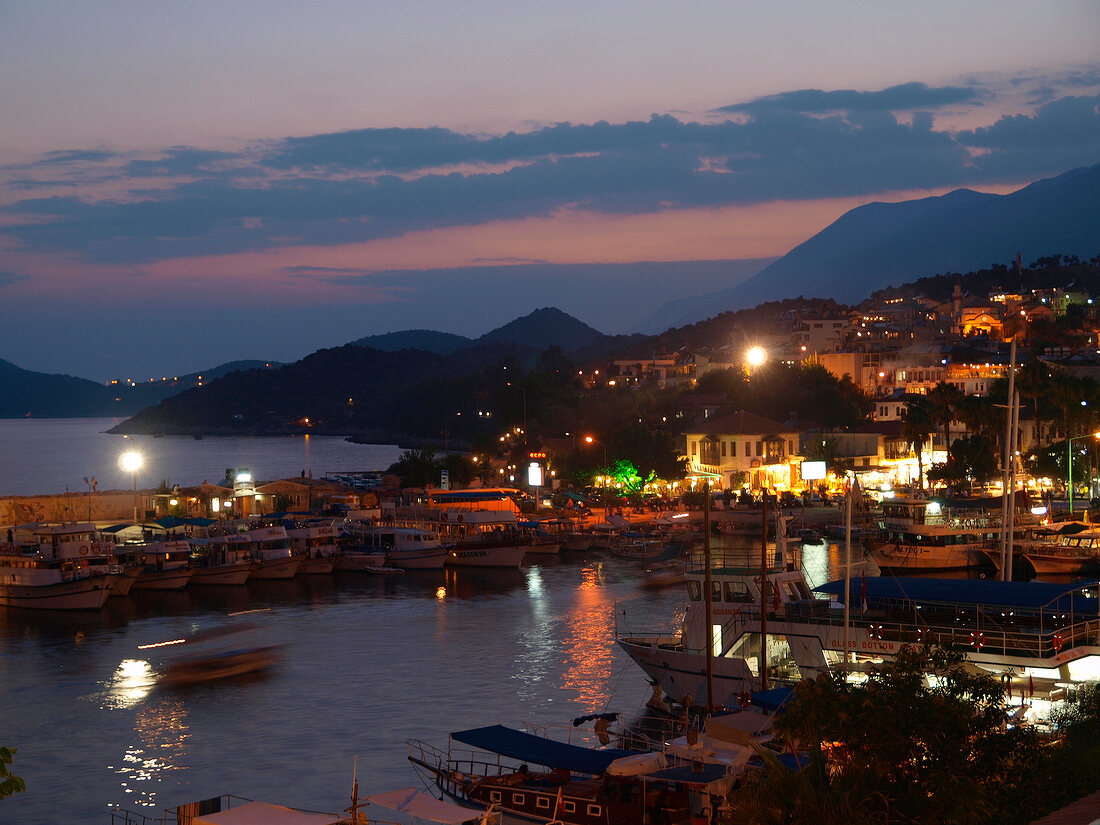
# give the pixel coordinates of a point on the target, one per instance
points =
(161, 565)
(220, 560)
(29, 581)
(314, 545)
(571, 785)
(270, 551)
(1042, 635)
(921, 535)
(409, 548)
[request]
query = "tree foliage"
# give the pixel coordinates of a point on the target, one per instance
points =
(900, 748)
(9, 782)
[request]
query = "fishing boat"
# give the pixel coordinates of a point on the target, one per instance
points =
(220, 560)
(410, 548)
(269, 549)
(485, 538)
(571, 784)
(770, 628)
(357, 555)
(29, 580)
(922, 535)
(1065, 550)
(314, 544)
(161, 565)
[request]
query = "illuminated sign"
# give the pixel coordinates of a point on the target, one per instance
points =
(534, 474)
(813, 470)
(536, 455)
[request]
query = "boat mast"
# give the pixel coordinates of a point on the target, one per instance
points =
(1008, 451)
(1011, 533)
(708, 596)
(847, 572)
(764, 590)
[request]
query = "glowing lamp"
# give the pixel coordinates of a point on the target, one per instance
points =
(130, 461)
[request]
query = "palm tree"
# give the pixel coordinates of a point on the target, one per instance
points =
(917, 427)
(943, 403)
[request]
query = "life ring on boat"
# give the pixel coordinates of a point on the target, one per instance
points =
(1057, 642)
(744, 699)
(978, 640)
(83, 549)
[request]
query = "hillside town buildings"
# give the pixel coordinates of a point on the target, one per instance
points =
(891, 347)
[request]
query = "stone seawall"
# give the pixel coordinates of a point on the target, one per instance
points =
(108, 505)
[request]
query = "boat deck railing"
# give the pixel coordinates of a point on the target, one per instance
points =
(981, 632)
(976, 633)
(469, 762)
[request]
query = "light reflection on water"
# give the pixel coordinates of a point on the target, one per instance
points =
(130, 683)
(589, 642)
(370, 661)
(161, 748)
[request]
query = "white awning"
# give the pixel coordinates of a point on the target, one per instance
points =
(425, 806)
(261, 813)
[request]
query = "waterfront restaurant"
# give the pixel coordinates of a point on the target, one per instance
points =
(744, 449)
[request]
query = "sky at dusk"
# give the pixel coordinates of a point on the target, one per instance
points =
(184, 184)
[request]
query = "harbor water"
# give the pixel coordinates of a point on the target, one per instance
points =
(43, 455)
(368, 661)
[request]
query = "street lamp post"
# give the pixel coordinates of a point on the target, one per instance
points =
(130, 462)
(1069, 463)
(606, 502)
(589, 439)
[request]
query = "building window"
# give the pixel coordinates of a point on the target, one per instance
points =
(759, 448)
(694, 447)
(733, 449)
(723, 449)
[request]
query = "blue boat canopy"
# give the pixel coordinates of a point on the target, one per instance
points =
(538, 750)
(703, 773)
(987, 593)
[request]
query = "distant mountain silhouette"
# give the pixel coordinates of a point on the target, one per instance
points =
(546, 327)
(886, 244)
(443, 343)
(44, 395)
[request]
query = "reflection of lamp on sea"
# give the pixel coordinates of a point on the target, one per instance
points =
(131, 462)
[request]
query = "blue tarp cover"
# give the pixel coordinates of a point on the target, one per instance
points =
(710, 772)
(986, 592)
(538, 750)
(772, 700)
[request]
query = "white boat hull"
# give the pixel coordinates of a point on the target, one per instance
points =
(496, 556)
(82, 594)
(280, 568)
(358, 562)
(428, 558)
(163, 579)
(222, 575)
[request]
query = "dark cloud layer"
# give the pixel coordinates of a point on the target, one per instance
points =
(904, 97)
(378, 183)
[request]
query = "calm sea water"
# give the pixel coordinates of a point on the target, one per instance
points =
(368, 662)
(55, 455)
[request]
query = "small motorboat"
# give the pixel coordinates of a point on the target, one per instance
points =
(207, 657)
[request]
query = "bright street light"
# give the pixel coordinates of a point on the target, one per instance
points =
(130, 462)
(756, 356)
(592, 440)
